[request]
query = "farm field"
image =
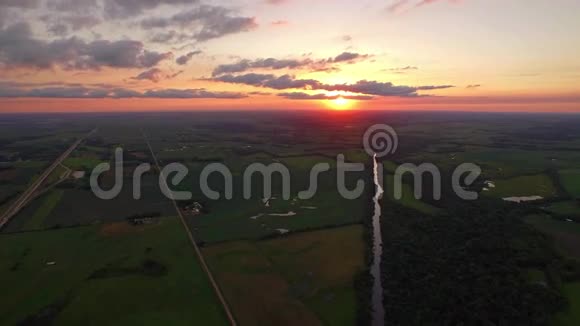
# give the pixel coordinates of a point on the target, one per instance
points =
(566, 208)
(566, 234)
(79, 206)
(47, 279)
(408, 199)
(570, 179)
(533, 185)
(306, 278)
(277, 261)
(571, 317)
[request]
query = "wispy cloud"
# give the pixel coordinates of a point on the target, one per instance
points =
(366, 87)
(399, 6)
(277, 64)
(322, 96)
(110, 92)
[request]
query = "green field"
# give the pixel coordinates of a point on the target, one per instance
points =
(238, 218)
(533, 185)
(566, 234)
(570, 179)
(130, 268)
(567, 208)
(302, 279)
(408, 199)
(567, 237)
(572, 316)
(82, 163)
(49, 202)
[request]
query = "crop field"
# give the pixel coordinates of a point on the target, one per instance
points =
(567, 237)
(79, 206)
(258, 217)
(570, 179)
(278, 261)
(130, 268)
(49, 202)
(533, 185)
(566, 208)
(572, 316)
(304, 279)
(566, 234)
(408, 199)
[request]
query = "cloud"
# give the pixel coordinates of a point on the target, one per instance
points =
(321, 96)
(375, 88)
(260, 93)
(61, 25)
(277, 64)
(346, 38)
(23, 4)
(428, 2)
(473, 86)
(131, 8)
(209, 21)
(192, 93)
(349, 56)
(275, 2)
(270, 63)
(280, 23)
(171, 36)
(77, 6)
(112, 92)
(402, 70)
(404, 5)
(397, 6)
(154, 75)
(184, 59)
(77, 22)
(247, 79)
(19, 49)
(385, 89)
(69, 92)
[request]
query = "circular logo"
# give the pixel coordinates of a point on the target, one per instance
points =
(380, 140)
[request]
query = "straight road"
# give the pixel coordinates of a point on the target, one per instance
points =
(28, 193)
(204, 265)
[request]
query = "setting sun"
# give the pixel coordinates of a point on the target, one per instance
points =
(340, 103)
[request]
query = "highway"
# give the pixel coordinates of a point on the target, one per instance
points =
(17, 205)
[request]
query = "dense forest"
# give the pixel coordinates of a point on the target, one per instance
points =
(467, 267)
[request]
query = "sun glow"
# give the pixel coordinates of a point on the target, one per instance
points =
(341, 103)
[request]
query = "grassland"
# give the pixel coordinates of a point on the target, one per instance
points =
(567, 237)
(136, 275)
(566, 234)
(49, 202)
(571, 317)
(238, 218)
(566, 208)
(301, 279)
(408, 199)
(529, 185)
(82, 163)
(570, 179)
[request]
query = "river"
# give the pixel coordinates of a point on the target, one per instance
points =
(378, 317)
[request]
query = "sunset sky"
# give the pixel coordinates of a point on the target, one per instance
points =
(102, 55)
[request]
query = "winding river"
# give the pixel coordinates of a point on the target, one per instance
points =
(378, 317)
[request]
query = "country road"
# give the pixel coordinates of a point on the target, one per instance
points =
(29, 192)
(202, 262)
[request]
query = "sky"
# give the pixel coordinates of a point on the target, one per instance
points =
(132, 55)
